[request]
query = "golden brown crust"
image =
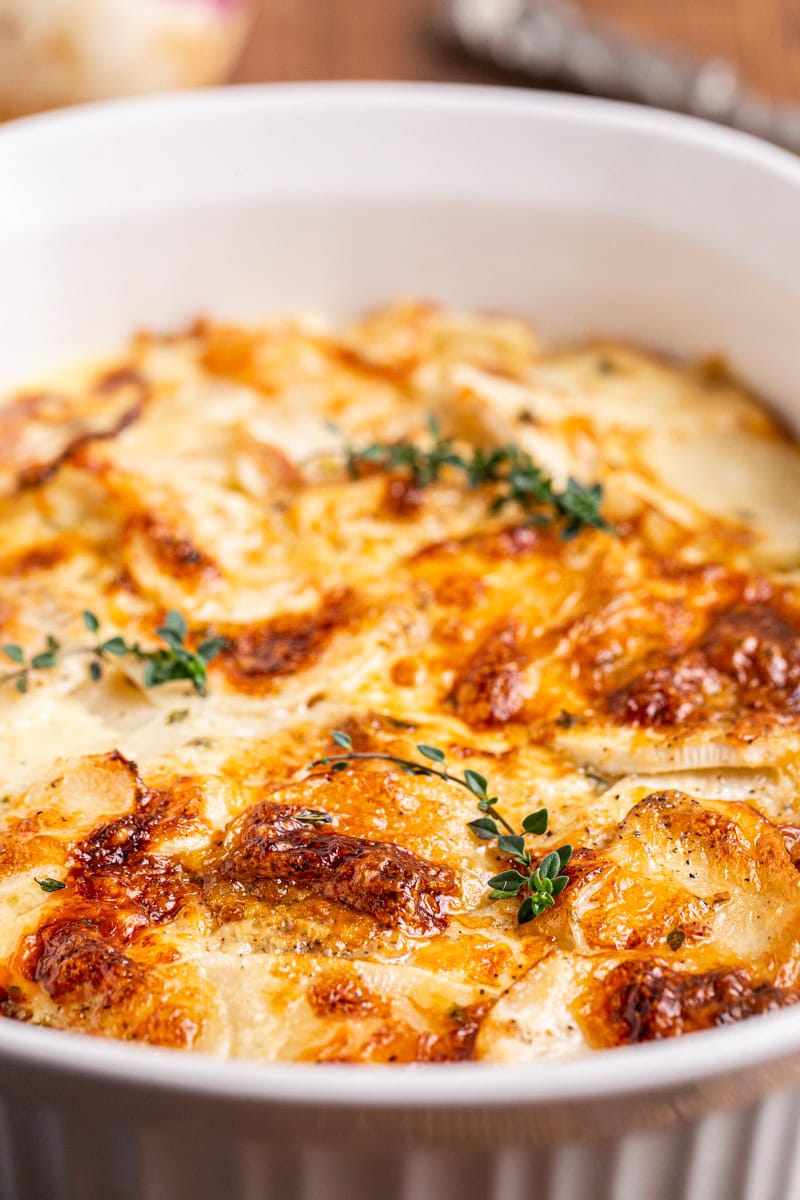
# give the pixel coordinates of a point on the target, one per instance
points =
(490, 689)
(386, 881)
(261, 654)
(75, 961)
(343, 995)
(172, 549)
(747, 661)
(185, 901)
(646, 1000)
(126, 387)
(403, 498)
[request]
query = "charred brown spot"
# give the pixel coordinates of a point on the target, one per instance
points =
(74, 961)
(122, 377)
(154, 887)
(403, 497)
(93, 951)
(343, 996)
(457, 1042)
(114, 842)
(748, 659)
(37, 473)
(388, 882)
(647, 1000)
(284, 645)
(459, 591)
(112, 845)
(665, 695)
(173, 549)
(111, 866)
(490, 689)
(37, 558)
(14, 1005)
(176, 807)
(79, 960)
(791, 840)
(760, 651)
(407, 672)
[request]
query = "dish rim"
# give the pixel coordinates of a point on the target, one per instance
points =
(352, 95)
(624, 1071)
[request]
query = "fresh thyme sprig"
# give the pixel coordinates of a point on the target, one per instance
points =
(516, 478)
(172, 661)
(423, 465)
(538, 885)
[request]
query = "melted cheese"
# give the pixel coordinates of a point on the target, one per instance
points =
(643, 686)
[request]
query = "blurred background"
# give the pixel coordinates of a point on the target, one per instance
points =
(392, 39)
(731, 60)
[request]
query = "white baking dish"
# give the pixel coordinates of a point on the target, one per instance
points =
(586, 216)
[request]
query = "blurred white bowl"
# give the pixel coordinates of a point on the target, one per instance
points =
(581, 214)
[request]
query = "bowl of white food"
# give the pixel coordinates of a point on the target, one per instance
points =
(63, 52)
(584, 216)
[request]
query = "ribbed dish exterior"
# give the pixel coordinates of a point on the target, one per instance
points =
(752, 1154)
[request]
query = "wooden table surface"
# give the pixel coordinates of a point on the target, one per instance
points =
(394, 39)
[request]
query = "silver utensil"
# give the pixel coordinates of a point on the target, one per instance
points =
(555, 41)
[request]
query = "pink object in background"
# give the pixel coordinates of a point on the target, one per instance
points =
(59, 52)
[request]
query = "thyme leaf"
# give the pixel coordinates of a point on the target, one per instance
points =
(174, 660)
(675, 939)
(313, 816)
(517, 481)
(538, 885)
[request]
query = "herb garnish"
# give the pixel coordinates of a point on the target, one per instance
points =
(513, 474)
(540, 885)
(566, 719)
(313, 816)
(50, 885)
(172, 661)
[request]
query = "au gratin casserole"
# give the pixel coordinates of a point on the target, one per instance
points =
(405, 693)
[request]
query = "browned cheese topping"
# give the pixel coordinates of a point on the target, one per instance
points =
(233, 542)
(393, 885)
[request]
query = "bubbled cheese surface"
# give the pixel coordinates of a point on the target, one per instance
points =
(643, 686)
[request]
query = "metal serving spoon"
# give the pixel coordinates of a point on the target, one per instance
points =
(556, 42)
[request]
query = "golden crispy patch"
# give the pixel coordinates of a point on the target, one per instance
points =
(643, 1001)
(44, 431)
(261, 654)
(172, 549)
(747, 662)
(386, 881)
(490, 689)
